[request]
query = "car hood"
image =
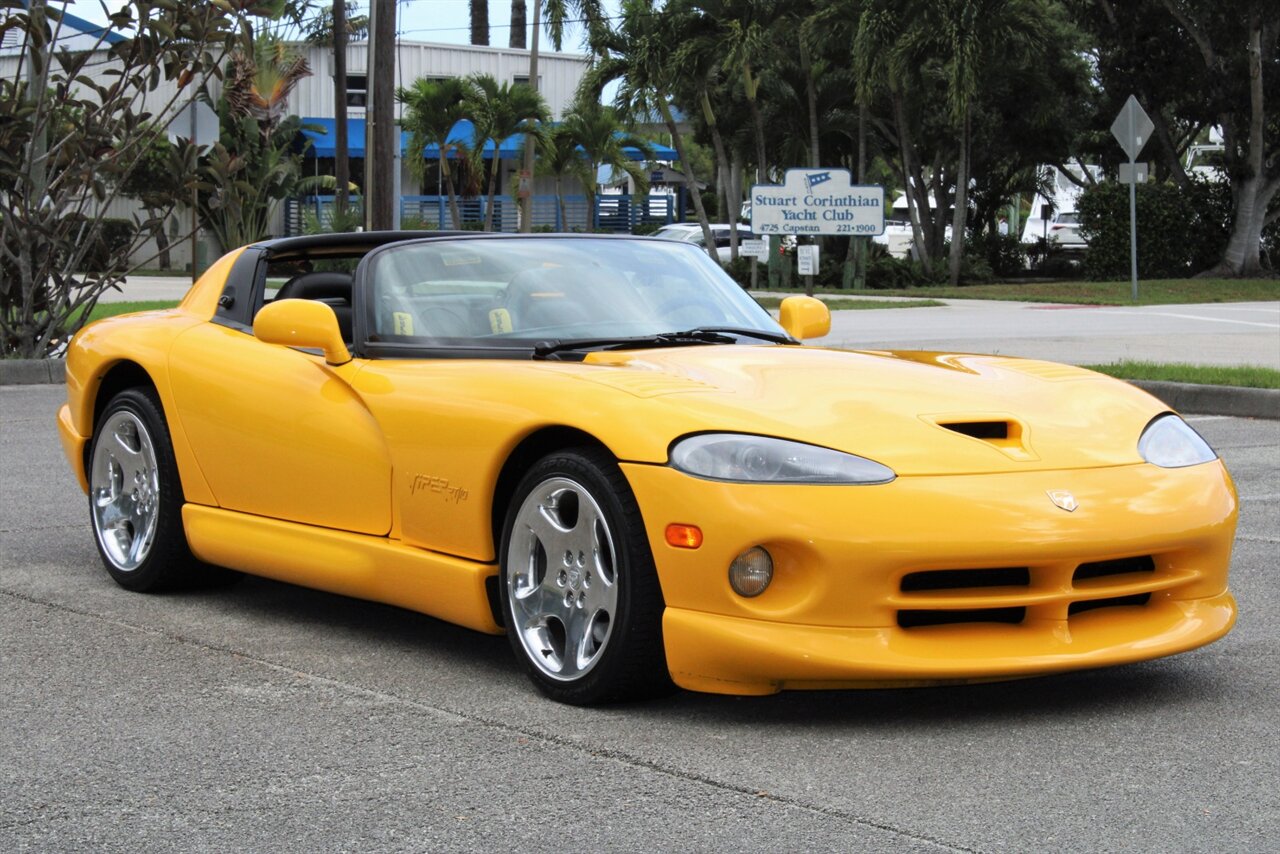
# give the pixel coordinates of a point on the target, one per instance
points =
(920, 413)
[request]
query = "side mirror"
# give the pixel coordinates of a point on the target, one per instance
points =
(302, 323)
(804, 317)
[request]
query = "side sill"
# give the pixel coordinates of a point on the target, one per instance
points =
(358, 565)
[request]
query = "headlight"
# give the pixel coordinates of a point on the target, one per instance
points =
(1169, 442)
(760, 459)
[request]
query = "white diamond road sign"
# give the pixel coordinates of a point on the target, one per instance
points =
(817, 201)
(1132, 128)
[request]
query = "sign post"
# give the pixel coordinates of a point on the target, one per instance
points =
(814, 202)
(1132, 128)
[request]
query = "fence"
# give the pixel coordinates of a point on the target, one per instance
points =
(613, 212)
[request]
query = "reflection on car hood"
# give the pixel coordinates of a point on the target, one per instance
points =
(919, 413)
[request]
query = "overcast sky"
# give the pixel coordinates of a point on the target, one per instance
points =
(446, 21)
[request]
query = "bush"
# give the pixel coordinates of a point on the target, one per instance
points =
(1004, 253)
(416, 223)
(644, 229)
(710, 204)
(1180, 232)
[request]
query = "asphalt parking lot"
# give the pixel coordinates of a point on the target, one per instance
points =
(268, 717)
(1204, 334)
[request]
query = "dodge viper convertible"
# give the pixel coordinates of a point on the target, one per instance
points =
(604, 448)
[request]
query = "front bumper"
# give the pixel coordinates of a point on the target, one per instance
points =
(73, 445)
(834, 614)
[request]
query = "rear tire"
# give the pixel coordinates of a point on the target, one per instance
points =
(579, 593)
(135, 499)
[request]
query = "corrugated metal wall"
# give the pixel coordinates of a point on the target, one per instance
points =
(560, 74)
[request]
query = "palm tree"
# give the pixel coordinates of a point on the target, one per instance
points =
(499, 110)
(479, 21)
(432, 108)
(701, 55)
(519, 24)
(598, 131)
(748, 43)
(880, 66)
(639, 54)
(560, 158)
(970, 36)
(557, 15)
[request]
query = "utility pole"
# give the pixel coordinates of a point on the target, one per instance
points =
(381, 192)
(342, 166)
(526, 202)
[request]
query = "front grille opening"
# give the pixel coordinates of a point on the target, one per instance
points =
(912, 619)
(958, 579)
(1113, 602)
(981, 429)
(1123, 566)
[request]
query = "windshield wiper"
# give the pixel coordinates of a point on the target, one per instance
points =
(738, 330)
(698, 335)
(545, 349)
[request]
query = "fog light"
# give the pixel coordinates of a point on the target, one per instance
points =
(751, 572)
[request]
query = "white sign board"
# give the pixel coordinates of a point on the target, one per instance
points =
(807, 256)
(754, 249)
(1130, 172)
(817, 201)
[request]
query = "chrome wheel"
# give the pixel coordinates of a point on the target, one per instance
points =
(562, 585)
(124, 490)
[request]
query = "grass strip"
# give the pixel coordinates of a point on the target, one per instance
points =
(1152, 292)
(1179, 372)
(856, 304)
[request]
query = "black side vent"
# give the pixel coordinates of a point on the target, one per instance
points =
(919, 618)
(1123, 566)
(958, 579)
(987, 430)
(1113, 602)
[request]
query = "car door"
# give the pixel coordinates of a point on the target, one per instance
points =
(279, 433)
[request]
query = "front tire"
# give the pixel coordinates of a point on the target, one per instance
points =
(135, 498)
(579, 592)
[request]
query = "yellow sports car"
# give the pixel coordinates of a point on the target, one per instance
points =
(605, 448)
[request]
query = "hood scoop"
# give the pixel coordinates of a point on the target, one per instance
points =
(1003, 433)
(989, 431)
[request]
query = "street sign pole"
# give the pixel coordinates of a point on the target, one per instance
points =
(1133, 234)
(1132, 128)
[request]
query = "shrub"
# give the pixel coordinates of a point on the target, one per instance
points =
(1004, 253)
(416, 223)
(1180, 232)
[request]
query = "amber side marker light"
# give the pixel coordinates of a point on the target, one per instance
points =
(684, 536)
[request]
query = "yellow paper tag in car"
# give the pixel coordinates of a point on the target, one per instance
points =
(500, 321)
(403, 322)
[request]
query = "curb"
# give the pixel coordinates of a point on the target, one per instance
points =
(1215, 399)
(32, 371)
(1184, 397)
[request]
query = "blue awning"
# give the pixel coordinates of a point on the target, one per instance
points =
(320, 131)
